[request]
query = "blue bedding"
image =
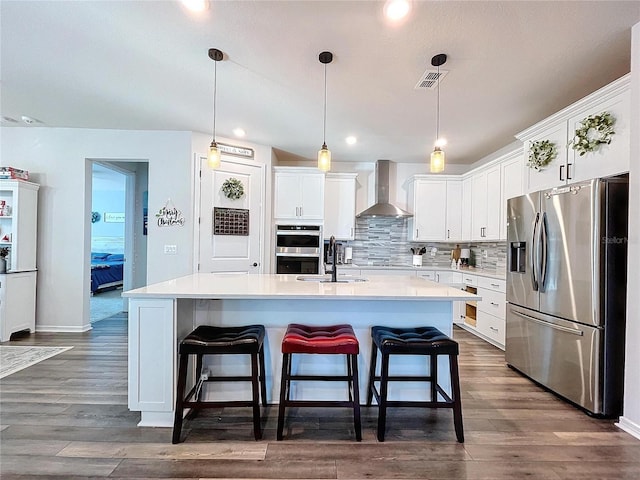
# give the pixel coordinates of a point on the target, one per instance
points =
(106, 270)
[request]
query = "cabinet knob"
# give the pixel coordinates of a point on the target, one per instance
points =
(255, 264)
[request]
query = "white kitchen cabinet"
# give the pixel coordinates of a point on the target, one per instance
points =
(454, 210)
(436, 204)
(17, 303)
(569, 167)
(486, 317)
(485, 208)
(427, 199)
(467, 201)
(298, 194)
(607, 159)
(511, 178)
(18, 225)
(340, 205)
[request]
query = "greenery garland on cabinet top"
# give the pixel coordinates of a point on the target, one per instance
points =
(541, 154)
(594, 131)
(233, 188)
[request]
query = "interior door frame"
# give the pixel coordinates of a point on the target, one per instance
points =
(198, 159)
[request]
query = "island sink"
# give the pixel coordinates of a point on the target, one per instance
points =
(327, 279)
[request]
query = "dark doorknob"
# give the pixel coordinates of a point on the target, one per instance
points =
(255, 264)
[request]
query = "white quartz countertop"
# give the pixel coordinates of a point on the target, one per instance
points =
(483, 272)
(241, 286)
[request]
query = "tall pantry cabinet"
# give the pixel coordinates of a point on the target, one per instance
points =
(18, 234)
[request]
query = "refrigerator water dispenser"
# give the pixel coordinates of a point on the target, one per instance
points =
(517, 257)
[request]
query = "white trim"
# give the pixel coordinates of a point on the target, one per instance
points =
(63, 328)
(629, 426)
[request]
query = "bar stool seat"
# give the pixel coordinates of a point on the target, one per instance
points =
(210, 340)
(428, 341)
(331, 340)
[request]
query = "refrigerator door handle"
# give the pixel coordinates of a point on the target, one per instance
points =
(534, 282)
(579, 333)
(543, 243)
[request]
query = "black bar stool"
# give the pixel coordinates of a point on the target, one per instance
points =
(209, 340)
(414, 341)
(332, 340)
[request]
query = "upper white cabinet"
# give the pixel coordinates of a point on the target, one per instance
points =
(511, 178)
(485, 207)
(569, 166)
(467, 199)
(18, 224)
(299, 194)
(436, 204)
(340, 205)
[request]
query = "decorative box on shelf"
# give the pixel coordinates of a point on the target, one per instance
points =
(12, 173)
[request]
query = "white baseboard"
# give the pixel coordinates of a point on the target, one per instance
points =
(63, 328)
(629, 426)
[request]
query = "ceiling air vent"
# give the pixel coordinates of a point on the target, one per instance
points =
(430, 79)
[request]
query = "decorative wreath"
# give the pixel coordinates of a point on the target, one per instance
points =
(233, 188)
(594, 131)
(541, 154)
(95, 217)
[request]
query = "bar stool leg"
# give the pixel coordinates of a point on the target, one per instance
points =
(372, 373)
(263, 384)
(434, 377)
(382, 403)
(356, 397)
(257, 432)
(284, 393)
(457, 401)
(350, 375)
(182, 380)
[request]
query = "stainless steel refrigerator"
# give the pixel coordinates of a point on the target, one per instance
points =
(566, 290)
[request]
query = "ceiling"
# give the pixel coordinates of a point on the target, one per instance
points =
(144, 65)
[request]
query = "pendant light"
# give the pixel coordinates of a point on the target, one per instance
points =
(437, 156)
(213, 159)
(324, 154)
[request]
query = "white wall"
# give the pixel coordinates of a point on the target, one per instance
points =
(58, 160)
(631, 417)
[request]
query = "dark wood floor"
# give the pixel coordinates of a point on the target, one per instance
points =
(67, 418)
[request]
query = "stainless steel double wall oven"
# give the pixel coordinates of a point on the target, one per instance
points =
(298, 248)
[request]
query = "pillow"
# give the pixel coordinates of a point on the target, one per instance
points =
(99, 255)
(115, 257)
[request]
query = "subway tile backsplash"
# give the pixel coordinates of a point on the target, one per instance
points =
(383, 241)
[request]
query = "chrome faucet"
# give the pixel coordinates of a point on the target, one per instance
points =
(332, 251)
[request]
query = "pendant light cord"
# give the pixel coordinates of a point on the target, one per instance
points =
(438, 110)
(324, 122)
(215, 81)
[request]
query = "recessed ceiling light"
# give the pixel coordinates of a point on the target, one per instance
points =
(28, 120)
(396, 10)
(351, 140)
(196, 5)
(238, 132)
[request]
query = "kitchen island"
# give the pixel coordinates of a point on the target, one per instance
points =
(160, 315)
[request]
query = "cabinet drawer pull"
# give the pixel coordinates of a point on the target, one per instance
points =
(494, 304)
(494, 285)
(493, 328)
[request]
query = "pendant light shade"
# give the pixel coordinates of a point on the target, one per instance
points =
(324, 154)
(437, 160)
(437, 156)
(213, 159)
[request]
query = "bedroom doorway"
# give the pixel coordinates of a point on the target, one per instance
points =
(118, 241)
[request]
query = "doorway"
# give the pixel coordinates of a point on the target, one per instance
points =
(118, 238)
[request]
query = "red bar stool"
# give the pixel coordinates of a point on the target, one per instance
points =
(428, 341)
(209, 340)
(327, 340)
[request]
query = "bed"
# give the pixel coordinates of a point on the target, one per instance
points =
(106, 270)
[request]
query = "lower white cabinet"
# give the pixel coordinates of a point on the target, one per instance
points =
(490, 312)
(17, 303)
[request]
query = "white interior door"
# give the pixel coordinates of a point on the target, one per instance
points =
(231, 243)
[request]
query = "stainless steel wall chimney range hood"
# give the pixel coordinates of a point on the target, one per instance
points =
(382, 207)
